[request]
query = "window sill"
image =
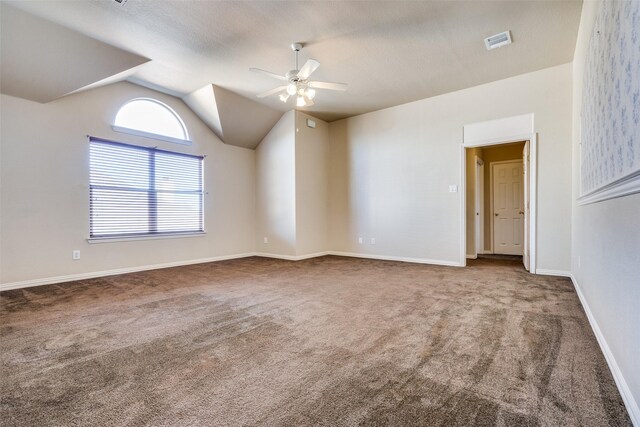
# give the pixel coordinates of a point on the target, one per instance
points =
(151, 135)
(148, 237)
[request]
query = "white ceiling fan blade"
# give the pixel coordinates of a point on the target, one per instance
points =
(271, 92)
(309, 67)
(328, 85)
(269, 73)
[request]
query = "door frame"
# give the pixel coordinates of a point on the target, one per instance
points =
(491, 196)
(527, 219)
(533, 192)
(479, 217)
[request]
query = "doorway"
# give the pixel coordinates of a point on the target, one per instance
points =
(500, 200)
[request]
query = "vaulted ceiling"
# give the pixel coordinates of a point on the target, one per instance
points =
(388, 52)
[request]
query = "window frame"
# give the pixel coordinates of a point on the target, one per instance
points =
(148, 235)
(137, 132)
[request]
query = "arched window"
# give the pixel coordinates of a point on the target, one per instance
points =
(152, 119)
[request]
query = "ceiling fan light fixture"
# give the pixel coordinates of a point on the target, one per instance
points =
(297, 81)
(311, 93)
(307, 101)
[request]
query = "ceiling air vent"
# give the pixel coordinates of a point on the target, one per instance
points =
(498, 40)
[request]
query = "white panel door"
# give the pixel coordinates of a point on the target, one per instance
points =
(508, 208)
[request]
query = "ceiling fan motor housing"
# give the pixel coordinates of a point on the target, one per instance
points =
(292, 75)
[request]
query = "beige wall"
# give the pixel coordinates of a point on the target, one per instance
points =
(292, 188)
(276, 189)
(312, 181)
(389, 177)
(498, 153)
(391, 169)
(45, 195)
(389, 173)
(606, 248)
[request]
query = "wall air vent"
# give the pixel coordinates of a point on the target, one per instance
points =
(498, 40)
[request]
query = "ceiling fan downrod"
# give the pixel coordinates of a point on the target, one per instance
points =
(296, 48)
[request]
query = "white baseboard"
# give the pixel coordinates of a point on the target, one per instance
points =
(625, 392)
(83, 276)
(395, 258)
(291, 257)
(547, 272)
(358, 255)
(91, 275)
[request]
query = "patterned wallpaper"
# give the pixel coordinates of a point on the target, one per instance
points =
(611, 97)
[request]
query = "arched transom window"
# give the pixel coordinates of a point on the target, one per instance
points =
(151, 118)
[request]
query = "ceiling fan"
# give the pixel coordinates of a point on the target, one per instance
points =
(299, 84)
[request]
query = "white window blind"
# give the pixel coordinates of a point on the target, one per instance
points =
(140, 191)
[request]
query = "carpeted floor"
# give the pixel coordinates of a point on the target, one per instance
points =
(329, 341)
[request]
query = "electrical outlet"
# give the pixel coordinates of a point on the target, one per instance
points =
(360, 240)
(75, 255)
(453, 189)
(265, 240)
(373, 240)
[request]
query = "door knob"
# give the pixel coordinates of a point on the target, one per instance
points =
(521, 213)
(496, 214)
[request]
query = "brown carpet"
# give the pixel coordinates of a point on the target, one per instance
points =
(329, 341)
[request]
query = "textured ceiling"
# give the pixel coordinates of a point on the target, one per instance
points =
(388, 52)
(43, 61)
